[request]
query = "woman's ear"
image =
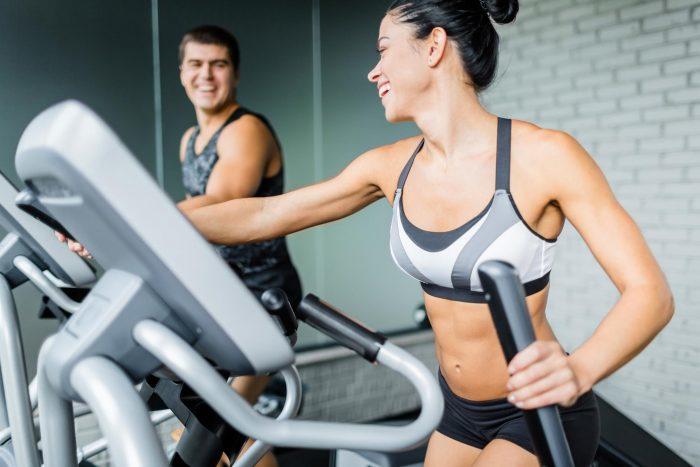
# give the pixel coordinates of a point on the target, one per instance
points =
(437, 42)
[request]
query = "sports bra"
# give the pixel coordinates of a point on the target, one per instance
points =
(446, 263)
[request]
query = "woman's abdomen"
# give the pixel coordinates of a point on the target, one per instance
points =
(467, 346)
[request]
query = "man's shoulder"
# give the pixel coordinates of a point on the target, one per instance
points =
(183, 142)
(247, 127)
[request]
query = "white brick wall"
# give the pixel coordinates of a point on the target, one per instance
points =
(624, 79)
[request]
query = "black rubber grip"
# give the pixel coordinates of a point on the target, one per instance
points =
(27, 201)
(353, 335)
(505, 296)
(277, 304)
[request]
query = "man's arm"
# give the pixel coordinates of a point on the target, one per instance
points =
(245, 149)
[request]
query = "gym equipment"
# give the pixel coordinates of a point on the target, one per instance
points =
(58, 302)
(29, 250)
(506, 299)
(167, 299)
(206, 436)
(205, 433)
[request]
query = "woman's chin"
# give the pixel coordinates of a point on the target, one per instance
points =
(393, 117)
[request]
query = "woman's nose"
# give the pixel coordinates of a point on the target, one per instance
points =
(373, 75)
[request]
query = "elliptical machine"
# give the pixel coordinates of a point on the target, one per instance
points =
(161, 304)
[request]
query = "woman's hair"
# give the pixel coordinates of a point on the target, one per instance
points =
(208, 34)
(467, 23)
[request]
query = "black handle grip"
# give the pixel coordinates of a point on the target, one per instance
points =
(277, 304)
(340, 327)
(27, 201)
(506, 299)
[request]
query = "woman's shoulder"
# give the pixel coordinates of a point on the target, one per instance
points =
(396, 153)
(552, 160)
(545, 147)
(385, 163)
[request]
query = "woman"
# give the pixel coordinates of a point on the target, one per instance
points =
(434, 59)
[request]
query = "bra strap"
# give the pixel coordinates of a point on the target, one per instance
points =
(503, 155)
(407, 167)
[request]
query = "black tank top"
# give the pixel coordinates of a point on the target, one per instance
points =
(196, 169)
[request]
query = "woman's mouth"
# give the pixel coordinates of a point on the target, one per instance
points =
(384, 90)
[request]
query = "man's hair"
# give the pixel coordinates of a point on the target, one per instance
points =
(209, 34)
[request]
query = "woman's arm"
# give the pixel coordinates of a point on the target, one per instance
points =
(254, 219)
(541, 374)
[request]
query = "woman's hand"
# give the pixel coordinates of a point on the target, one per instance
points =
(542, 375)
(73, 246)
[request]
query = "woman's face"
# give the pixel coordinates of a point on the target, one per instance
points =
(401, 74)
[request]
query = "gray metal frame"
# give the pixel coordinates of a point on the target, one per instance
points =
(32, 272)
(56, 420)
(101, 445)
(27, 244)
(179, 357)
(14, 378)
(290, 409)
(121, 414)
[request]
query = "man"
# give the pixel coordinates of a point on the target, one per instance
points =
(231, 153)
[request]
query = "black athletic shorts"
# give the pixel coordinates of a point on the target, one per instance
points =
(476, 423)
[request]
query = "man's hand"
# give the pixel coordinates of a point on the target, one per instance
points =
(73, 246)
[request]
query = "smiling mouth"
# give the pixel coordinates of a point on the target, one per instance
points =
(384, 90)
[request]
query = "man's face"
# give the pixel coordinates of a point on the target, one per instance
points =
(207, 74)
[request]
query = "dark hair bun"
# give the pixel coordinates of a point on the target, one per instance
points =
(501, 11)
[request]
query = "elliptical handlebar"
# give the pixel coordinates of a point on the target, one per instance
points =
(48, 288)
(290, 409)
(277, 304)
(506, 299)
(28, 202)
(351, 334)
(177, 355)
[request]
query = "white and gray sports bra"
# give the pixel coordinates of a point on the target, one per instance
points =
(446, 262)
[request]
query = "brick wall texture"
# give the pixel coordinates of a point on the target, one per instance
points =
(623, 77)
